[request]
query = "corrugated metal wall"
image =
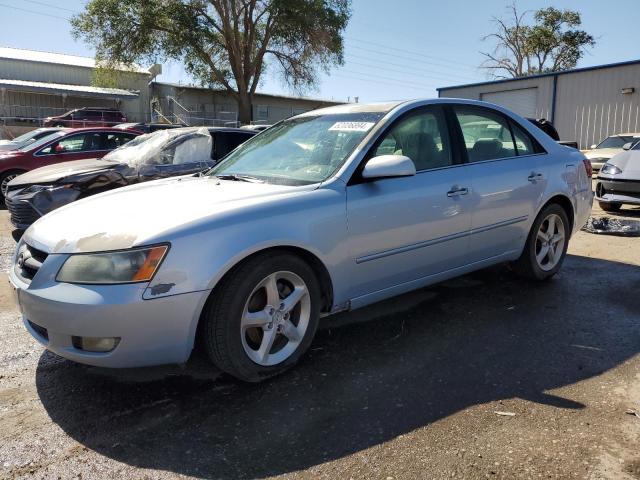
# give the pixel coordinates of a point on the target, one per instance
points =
(590, 104)
(136, 109)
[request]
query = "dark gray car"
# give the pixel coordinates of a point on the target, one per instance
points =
(160, 154)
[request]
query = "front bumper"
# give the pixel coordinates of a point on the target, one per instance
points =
(609, 190)
(26, 208)
(151, 332)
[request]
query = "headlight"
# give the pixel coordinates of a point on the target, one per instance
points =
(610, 169)
(127, 266)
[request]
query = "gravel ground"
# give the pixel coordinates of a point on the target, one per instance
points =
(486, 376)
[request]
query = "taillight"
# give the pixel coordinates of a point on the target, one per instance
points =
(588, 167)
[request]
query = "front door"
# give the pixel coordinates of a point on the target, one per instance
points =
(508, 179)
(405, 229)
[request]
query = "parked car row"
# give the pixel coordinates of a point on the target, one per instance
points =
(327, 211)
(83, 162)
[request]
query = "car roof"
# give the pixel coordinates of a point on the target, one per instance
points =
(230, 129)
(630, 134)
(99, 129)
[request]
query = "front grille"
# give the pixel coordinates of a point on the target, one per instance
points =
(22, 214)
(28, 262)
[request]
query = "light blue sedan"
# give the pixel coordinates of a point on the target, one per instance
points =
(325, 212)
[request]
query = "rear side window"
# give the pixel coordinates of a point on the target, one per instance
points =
(487, 135)
(525, 145)
(227, 141)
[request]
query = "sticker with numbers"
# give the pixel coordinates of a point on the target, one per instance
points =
(352, 126)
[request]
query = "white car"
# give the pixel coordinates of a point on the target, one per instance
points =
(327, 211)
(619, 181)
(599, 154)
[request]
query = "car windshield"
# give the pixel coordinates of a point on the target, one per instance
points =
(42, 141)
(299, 151)
(616, 141)
(32, 135)
(147, 148)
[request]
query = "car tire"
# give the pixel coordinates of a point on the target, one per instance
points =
(546, 245)
(5, 178)
(244, 333)
(610, 207)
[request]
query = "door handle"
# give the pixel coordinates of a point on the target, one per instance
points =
(457, 191)
(534, 177)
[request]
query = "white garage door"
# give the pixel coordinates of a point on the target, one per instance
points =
(522, 101)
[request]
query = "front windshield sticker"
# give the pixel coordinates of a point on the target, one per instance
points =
(352, 126)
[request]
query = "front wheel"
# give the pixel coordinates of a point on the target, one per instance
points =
(262, 317)
(546, 244)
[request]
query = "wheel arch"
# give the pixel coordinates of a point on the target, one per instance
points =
(317, 265)
(566, 204)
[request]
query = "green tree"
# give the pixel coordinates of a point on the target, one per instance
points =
(222, 43)
(552, 43)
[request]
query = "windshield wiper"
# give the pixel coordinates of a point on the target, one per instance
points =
(239, 177)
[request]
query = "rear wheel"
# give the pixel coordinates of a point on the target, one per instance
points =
(5, 178)
(262, 317)
(610, 207)
(546, 244)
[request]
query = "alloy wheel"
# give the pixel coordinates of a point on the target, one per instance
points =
(4, 185)
(550, 242)
(275, 318)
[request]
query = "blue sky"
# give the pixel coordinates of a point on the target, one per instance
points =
(395, 49)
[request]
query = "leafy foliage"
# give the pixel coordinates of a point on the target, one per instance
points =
(222, 43)
(552, 43)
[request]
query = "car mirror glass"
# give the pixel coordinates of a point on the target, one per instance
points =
(627, 146)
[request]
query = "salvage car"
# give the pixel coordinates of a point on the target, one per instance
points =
(65, 145)
(610, 146)
(27, 138)
(327, 211)
(619, 180)
(164, 153)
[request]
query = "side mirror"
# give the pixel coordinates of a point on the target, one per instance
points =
(627, 146)
(593, 146)
(389, 166)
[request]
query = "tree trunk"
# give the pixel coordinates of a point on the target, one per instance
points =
(245, 113)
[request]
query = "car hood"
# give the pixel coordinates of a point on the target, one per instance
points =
(629, 162)
(602, 153)
(146, 213)
(59, 171)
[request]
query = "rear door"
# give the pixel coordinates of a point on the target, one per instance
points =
(508, 179)
(406, 229)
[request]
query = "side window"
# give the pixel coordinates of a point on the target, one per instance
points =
(115, 140)
(421, 136)
(225, 142)
(487, 135)
(525, 145)
(75, 143)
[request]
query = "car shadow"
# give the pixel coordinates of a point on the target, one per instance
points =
(416, 359)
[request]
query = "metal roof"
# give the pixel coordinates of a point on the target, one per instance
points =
(57, 58)
(258, 94)
(541, 75)
(61, 88)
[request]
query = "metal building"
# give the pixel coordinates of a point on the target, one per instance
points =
(585, 104)
(35, 85)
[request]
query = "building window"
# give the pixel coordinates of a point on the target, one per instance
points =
(262, 112)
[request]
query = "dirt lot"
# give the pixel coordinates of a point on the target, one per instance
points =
(487, 376)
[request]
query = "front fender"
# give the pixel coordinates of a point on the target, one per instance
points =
(202, 254)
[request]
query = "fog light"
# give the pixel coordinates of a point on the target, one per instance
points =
(95, 344)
